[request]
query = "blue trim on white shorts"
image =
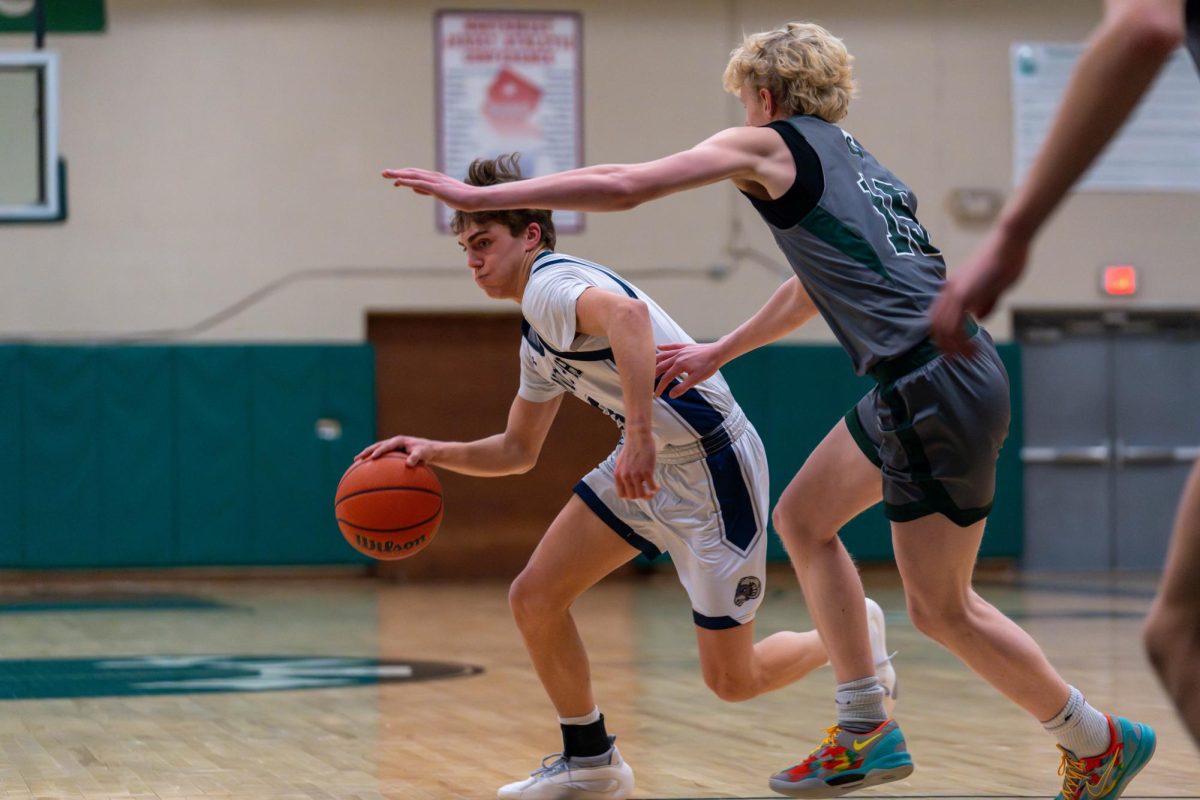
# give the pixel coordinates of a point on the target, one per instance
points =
(609, 518)
(714, 623)
(733, 497)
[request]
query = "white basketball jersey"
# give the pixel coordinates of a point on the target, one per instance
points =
(555, 358)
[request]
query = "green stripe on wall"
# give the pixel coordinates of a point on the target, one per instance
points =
(62, 16)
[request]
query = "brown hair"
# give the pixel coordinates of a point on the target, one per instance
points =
(804, 67)
(502, 169)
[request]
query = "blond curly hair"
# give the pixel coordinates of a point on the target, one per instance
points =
(804, 67)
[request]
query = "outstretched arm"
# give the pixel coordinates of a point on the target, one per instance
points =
(1123, 56)
(510, 453)
(788, 309)
(625, 322)
(738, 153)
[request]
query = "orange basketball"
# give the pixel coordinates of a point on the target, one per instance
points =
(387, 509)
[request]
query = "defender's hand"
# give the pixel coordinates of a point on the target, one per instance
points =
(691, 363)
(453, 193)
(975, 288)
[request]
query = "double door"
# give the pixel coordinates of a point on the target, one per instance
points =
(1112, 426)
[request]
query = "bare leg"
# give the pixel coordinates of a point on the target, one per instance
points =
(836, 484)
(737, 669)
(1172, 632)
(576, 552)
(936, 559)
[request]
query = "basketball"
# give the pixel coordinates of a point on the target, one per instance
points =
(387, 509)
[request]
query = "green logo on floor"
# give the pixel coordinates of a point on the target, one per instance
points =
(151, 675)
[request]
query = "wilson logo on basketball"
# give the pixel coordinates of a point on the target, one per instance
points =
(375, 546)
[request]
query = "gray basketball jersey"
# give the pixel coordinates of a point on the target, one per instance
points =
(861, 254)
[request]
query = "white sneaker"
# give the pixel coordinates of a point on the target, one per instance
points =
(876, 625)
(561, 780)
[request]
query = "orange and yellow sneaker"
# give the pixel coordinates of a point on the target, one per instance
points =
(847, 761)
(1105, 776)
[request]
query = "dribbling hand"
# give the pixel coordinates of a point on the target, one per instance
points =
(418, 450)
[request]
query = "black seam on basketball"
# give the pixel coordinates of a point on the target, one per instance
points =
(389, 489)
(393, 530)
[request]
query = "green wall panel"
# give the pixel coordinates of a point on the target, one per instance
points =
(290, 461)
(136, 431)
(215, 456)
(794, 394)
(12, 519)
(171, 455)
(61, 457)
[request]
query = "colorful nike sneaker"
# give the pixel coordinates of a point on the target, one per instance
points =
(561, 779)
(845, 762)
(1105, 776)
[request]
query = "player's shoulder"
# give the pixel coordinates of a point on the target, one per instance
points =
(554, 267)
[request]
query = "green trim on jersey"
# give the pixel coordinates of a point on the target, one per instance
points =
(833, 232)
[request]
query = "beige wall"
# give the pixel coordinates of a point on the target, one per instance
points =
(217, 146)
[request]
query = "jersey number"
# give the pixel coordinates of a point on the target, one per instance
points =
(904, 232)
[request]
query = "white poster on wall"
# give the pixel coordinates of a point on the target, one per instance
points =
(1158, 150)
(509, 81)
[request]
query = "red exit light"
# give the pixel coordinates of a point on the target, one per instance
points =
(1120, 281)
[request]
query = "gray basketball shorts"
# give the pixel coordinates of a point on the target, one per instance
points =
(935, 431)
(710, 514)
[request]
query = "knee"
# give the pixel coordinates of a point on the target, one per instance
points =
(942, 619)
(530, 601)
(732, 688)
(798, 530)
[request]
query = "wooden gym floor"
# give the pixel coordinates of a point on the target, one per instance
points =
(461, 737)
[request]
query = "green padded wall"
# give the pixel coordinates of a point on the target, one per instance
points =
(177, 455)
(795, 393)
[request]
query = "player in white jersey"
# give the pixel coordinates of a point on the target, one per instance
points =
(689, 477)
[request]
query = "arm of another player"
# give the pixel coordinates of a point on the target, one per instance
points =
(625, 322)
(738, 153)
(510, 453)
(1123, 56)
(788, 309)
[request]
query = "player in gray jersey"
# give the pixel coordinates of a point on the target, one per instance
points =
(689, 477)
(1124, 55)
(924, 440)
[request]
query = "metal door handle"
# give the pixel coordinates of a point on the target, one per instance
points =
(1151, 454)
(1095, 454)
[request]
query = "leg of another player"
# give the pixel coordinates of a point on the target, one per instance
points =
(578, 550)
(836, 484)
(737, 669)
(1172, 631)
(936, 558)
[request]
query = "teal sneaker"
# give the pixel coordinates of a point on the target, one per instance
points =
(845, 762)
(1105, 776)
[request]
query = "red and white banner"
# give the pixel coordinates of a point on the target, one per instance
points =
(509, 81)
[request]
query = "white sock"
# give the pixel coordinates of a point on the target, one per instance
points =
(1080, 728)
(586, 719)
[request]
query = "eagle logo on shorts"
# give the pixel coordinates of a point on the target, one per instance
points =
(748, 588)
